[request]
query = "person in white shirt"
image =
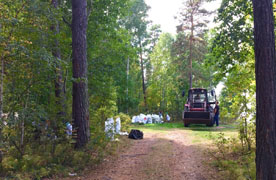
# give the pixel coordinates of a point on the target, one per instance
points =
(168, 117)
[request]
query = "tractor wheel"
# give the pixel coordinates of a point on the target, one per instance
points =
(210, 125)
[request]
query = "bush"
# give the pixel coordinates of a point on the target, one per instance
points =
(125, 122)
(80, 159)
(98, 140)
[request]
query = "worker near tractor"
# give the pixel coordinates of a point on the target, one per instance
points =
(216, 112)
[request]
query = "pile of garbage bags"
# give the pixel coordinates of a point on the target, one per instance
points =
(147, 119)
(113, 127)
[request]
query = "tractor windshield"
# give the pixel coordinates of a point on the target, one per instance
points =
(199, 97)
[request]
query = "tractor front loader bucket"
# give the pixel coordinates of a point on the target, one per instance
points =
(197, 117)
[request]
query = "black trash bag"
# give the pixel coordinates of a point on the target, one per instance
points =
(135, 134)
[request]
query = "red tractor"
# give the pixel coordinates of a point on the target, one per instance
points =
(199, 107)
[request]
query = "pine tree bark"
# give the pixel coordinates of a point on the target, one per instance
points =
(1, 83)
(80, 88)
(265, 89)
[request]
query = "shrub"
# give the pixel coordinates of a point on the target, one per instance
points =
(125, 122)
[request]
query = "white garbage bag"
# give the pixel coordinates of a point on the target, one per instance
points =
(137, 119)
(123, 133)
(155, 118)
(118, 125)
(133, 120)
(109, 128)
(149, 119)
(168, 117)
(142, 119)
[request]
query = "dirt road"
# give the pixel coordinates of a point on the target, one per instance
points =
(168, 155)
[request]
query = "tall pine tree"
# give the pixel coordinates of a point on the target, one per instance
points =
(80, 90)
(193, 24)
(264, 39)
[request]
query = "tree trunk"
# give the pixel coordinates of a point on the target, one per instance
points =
(80, 89)
(143, 77)
(265, 89)
(59, 93)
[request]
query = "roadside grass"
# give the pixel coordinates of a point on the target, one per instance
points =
(203, 133)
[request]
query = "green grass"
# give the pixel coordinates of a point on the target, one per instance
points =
(158, 127)
(210, 133)
(200, 132)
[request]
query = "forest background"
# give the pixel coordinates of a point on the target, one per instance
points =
(132, 68)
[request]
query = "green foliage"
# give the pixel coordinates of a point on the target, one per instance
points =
(233, 39)
(98, 137)
(109, 49)
(9, 163)
(98, 141)
(202, 73)
(32, 134)
(161, 85)
(125, 122)
(33, 164)
(247, 133)
(170, 72)
(137, 23)
(190, 47)
(41, 162)
(80, 160)
(233, 58)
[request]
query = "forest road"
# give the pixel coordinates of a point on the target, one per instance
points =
(161, 155)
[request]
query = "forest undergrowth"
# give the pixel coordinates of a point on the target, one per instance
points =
(47, 157)
(235, 156)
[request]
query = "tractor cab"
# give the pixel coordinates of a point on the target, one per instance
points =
(198, 108)
(197, 99)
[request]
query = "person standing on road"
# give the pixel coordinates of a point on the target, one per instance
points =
(216, 112)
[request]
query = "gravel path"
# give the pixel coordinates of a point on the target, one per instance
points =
(168, 155)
